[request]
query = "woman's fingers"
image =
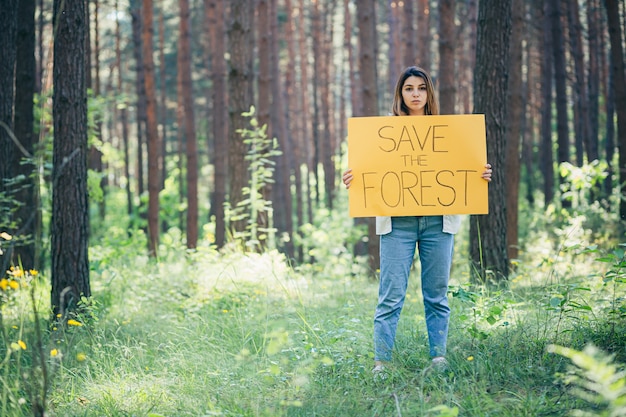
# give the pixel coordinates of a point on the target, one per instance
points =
(347, 178)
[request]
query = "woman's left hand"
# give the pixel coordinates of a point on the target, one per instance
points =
(487, 172)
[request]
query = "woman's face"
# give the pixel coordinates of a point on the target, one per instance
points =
(415, 95)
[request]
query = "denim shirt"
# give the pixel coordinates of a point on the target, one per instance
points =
(451, 224)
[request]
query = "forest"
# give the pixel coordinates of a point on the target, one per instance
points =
(175, 236)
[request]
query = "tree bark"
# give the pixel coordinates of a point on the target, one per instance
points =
(215, 18)
(152, 130)
(191, 147)
(70, 211)
(619, 84)
(516, 114)
(547, 162)
(488, 234)
(240, 80)
(283, 219)
(560, 84)
(25, 72)
(579, 90)
(366, 16)
(8, 149)
(423, 34)
(447, 39)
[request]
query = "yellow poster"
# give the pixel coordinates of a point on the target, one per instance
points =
(417, 165)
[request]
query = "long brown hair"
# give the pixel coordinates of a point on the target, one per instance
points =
(432, 105)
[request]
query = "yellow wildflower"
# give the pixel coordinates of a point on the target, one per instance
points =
(21, 344)
(17, 272)
(34, 272)
(470, 358)
(14, 284)
(54, 352)
(81, 357)
(4, 283)
(72, 322)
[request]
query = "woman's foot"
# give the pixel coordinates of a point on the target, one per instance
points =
(439, 363)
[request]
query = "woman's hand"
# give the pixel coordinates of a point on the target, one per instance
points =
(486, 173)
(347, 178)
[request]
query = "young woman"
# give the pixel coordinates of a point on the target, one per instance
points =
(433, 235)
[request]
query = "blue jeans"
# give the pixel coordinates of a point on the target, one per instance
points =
(397, 250)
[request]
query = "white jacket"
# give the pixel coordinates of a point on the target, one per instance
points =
(451, 224)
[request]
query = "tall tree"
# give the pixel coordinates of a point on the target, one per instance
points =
(9, 152)
(619, 84)
(366, 16)
(25, 72)
(282, 189)
(215, 18)
(423, 33)
(191, 147)
(515, 116)
(579, 90)
(294, 121)
(123, 111)
(560, 86)
(593, 78)
(447, 40)
(240, 78)
(410, 34)
(70, 212)
(140, 88)
(547, 162)
(95, 162)
(152, 130)
(488, 234)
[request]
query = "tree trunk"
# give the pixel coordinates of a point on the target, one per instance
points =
(619, 87)
(265, 76)
(447, 39)
(25, 71)
(306, 110)
(189, 125)
(70, 211)
(366, 16)
(410, 34)
(283, 219)
(215, 18)
(140, 86)
(162, 98)
(547, 165)
(579, 90)
(152, 130)
(560, 81)
(123, 113)
(9, 152)
(423, 33)
(488, 234)
(516, 114)
(240, 80)
(593, 79)
(294, 122)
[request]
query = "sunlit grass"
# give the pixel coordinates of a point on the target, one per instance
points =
(210, 333)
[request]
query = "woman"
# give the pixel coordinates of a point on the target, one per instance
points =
(433, 235)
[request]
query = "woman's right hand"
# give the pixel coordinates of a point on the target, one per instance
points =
(347, 178)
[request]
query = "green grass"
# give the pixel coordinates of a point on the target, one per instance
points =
(230, 334)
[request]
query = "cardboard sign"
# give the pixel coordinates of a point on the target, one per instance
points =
(417, 165)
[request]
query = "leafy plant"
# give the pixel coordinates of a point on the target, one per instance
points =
(255, 210)
(596, 380)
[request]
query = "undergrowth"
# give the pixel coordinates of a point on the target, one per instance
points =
(208, 333)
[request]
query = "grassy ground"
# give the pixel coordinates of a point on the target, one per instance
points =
(210, 334)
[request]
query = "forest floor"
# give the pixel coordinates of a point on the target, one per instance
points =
(234, 334)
